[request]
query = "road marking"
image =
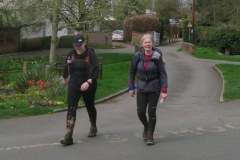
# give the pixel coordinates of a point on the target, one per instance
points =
(35, 146)
(230, 125)
(185, 130)
(176, 133)
(155, 137)
(219, 129)
(114, 138)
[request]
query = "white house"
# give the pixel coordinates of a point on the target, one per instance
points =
(44, 31)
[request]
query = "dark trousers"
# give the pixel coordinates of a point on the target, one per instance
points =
(73, 96)
(144, 101)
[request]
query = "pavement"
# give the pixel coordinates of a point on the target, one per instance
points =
(192, 123)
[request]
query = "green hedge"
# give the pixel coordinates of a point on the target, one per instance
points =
(66, 41)
(221, 37)
(32, 44)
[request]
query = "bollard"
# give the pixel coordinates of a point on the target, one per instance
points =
(47, 69)
(25, 68)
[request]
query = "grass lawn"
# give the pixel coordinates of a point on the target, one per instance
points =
(231, 81)
(212, 53)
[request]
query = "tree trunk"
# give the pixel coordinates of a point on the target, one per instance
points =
(227, 51)
(54, 32)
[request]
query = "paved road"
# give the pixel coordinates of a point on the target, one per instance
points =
(192, 124)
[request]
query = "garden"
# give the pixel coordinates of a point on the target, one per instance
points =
(35, 92)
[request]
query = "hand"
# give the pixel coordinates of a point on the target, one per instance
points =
(164, 95)
(84, 86)
(65, 82)
(132, 93)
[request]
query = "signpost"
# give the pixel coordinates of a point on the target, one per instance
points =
(189, 26)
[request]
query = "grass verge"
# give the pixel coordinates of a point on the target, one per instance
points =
(212, 53)
(231, 81)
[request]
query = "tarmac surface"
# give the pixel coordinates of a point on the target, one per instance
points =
(192, 123)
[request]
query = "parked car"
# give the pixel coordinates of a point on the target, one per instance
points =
(117, 35)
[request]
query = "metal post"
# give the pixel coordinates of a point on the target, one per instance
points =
(189, 32)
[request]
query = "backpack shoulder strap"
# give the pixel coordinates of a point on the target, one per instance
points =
(88, 57)
(140, 57)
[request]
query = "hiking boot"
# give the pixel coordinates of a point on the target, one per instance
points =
(145, 133)
(93, 132)
(66, 141)
(150, 140)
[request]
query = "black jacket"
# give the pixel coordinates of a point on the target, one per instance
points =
(155, 78)
(79, 67)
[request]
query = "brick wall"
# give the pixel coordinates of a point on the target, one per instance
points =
(99, 38)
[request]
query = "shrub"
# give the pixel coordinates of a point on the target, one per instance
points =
(32, 44)
(66, 41)
(22, 84)
(222, 37)
(140, 23)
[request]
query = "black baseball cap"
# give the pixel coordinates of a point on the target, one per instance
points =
(78, 40)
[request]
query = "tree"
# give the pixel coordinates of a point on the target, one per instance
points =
(61, 13)
(17, 14)
(167, 9)
(212, 12)
(122, 9)
(55, 22)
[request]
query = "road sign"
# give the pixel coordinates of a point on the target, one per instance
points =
(189, 25)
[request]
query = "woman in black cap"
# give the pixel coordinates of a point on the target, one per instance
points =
(83, 68)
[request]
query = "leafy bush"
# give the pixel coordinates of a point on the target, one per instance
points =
(140, 23)
(221, 37)
(66, 41)
(32, 44)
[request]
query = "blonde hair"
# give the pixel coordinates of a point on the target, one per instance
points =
(145, 36)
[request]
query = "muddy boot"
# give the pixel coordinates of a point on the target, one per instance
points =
(145, 133)
(93, 130)
(68, 140)
(150, 140)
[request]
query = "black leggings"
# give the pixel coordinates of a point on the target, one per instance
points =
(150, 100)
(73, 96)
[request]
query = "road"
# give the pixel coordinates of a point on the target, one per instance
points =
(192, 124)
